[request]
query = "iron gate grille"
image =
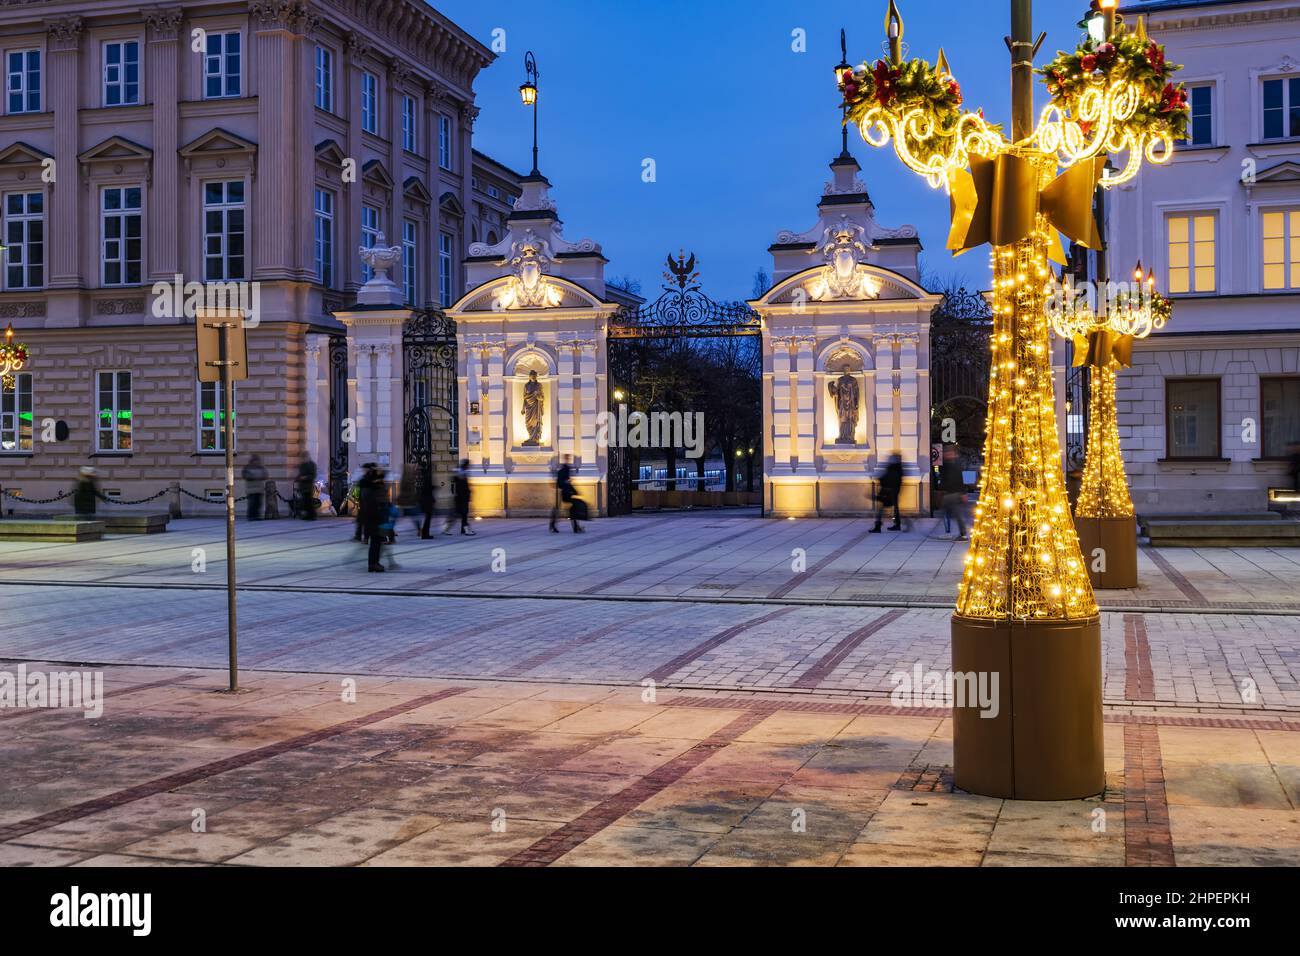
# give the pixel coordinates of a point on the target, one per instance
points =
(431, 422)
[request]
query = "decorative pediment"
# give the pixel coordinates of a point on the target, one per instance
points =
(1284, 172)
(414, 189)
(450, 204)
(217, 142)
(511, 294)
(116, 149)
(376, 174)
(330, 153)
(21, 154)
(854, 281)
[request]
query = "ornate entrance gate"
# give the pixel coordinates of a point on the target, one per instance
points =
(338, 379)
(659, 361)
(431, 408)
(959, 370)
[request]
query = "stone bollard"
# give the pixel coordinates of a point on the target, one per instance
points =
(174, 499)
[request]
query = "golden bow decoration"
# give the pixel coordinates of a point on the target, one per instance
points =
(1101, 347)
(998, 200)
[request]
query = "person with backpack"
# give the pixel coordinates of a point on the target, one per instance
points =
(888, 492)
(373, 514)
(566, 495)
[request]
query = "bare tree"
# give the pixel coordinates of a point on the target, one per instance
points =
(762, 282)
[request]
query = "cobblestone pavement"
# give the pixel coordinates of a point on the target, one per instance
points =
(296, 771)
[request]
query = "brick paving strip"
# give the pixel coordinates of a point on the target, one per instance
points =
(108, 695)
(1173, 574)
(663, 672)
(519, 668)
(823, 668)
(183, 778)
(803, 576)
(553, 846)
(1147, 839)
(1139, 682)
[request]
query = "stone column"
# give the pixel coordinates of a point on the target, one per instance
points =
(886, 443)
(398, 74)
(468, 114)
(589, 405)
(909, 425)
(355, 51)
(303, 262)
(316, 375)
(498, 429)
(272, 226)
(164, 77)
(806, 404)
(782, 407)
(566, 411)
(62, 84)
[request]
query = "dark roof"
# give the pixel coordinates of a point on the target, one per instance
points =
(1158, 6)
(510, 173)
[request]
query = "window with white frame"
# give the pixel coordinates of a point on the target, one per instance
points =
(122, 73)
(1192, 242)
(323, 236)
(1282, 107)
(120, 235)
(1279, 400)
(325, 78)
(212, 416)
(16, 415)
(408, 124)
(1281, 249)
(1200, 123)
(369, 236)
(221, 65)
(223, 230)
(23, 81)
(445, 288)
(1192, 418)
(24, 253)
(410, 262)
(370, 103)
(113, 411)
(444, 141)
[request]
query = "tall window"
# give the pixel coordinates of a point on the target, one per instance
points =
(445, 287)
(122, 73)
(370, 103)
(221, 66)
(324, 236)
(24, 255)
(1192, 417)
(324, 79)
(1279, 399)
(16, 414)
(1192, 253)
(113, 411)
(212, 416)
(408, 124)
(369, 236)
(410, 262)
(120, 245)
(444, 142)
(1281, 248)
(1282, 108)
(223, 230)
(1200, 128)
(23, 83)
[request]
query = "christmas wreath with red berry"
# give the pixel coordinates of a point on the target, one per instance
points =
(913, 84)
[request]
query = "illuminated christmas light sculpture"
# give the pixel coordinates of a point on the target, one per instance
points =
(13, 357)
(1025, 607)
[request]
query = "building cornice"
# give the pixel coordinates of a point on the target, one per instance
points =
(1192, 19)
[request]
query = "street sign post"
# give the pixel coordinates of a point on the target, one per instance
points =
(223, 357)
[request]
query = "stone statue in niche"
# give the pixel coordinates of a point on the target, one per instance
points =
(845, 392)
(534, 409)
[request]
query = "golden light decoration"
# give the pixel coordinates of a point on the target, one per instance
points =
(13, 357)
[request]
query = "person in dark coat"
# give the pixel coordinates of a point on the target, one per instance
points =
(254, 475)
(891, 486)
(305, 490)
(564, 494)
(86, 492)
(460, 499)
(424, 494)
(372, 513)
(1294, 458)
(953, 485)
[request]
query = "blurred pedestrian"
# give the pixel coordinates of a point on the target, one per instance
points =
(564, 493)
(425, 495)
(304, 494)
(1294, 458)
(368, 473)
(86, 492)
(272, 509)
(254, 486)
(372, 513)
(889, 489)
(953, 485)
(460, 499)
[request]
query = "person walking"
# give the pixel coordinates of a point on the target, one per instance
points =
(372, 514)
(424, 493)
(305, 491)
(887, 494)
(460, 499)
(564, 494)
(953, 485)
(254, 475)
(85, 493)
(368, 471)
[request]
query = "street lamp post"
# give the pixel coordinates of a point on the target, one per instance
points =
(528, 93)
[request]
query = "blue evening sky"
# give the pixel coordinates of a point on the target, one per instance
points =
(741, 127)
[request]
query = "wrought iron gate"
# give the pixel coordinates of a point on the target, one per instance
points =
(681, 313)
(959, 370)
(431, 403)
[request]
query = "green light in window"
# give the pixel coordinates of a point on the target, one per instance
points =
(25, 416)
(126, 414)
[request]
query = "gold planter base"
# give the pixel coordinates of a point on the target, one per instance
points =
(1043, 740)
(1117, 539)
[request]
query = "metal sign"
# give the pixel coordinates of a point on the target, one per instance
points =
(208, 326)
